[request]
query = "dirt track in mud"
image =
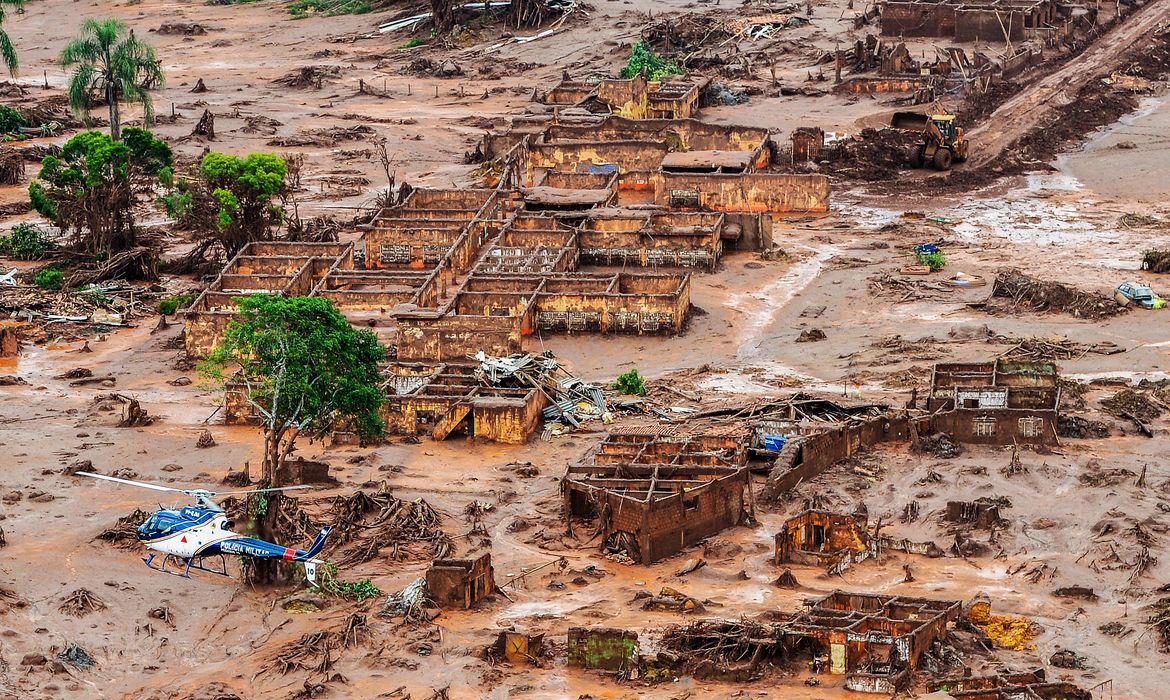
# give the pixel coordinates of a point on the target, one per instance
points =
(224, 637)
(1036, 104)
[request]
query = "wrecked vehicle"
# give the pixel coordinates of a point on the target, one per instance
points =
(1134, 293)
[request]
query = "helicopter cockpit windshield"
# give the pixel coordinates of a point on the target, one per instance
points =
(157, 524)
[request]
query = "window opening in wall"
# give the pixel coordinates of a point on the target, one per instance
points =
(1030, 427)
(984, 426)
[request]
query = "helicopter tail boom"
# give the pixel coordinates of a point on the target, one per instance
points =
(319, 542)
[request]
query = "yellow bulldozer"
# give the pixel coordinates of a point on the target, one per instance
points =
(943, 141)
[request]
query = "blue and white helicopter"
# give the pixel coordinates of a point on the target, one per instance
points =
(190, 534)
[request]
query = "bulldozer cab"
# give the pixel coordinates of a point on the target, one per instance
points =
(945, 123)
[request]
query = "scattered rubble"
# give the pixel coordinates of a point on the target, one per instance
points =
(1040, 295)
(80, 603)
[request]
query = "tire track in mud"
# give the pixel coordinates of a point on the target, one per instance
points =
(1028, 109)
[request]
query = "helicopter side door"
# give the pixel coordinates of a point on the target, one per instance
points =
(196, 538)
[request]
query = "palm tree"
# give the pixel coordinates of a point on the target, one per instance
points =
(7, 51)
(108, 57)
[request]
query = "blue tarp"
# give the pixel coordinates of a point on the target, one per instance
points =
(775, 443)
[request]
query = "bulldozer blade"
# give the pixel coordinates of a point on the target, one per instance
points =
(910, 121)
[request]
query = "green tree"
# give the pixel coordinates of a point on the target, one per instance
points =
(93, 186)
(242, 192)
(108, 59)
(304, 369)
(7, 50)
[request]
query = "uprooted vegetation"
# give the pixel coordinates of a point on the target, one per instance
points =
(1041, 295)
(316, 652)
(1129, 403)
(366, 525)
(1156, 261)
(124, 533)
(81, 602)
(1159, 620)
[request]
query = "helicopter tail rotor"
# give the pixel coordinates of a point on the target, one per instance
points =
(311, 571)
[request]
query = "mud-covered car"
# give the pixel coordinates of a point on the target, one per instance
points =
(1134, 293)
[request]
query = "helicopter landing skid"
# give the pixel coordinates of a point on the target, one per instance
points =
(195, 563)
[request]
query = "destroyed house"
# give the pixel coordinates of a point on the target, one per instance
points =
(634, 98)
(445, 399)
(452, 272)
(819, 537)
(290, 269)
(838, 540)
(458, 584)
(774, 423)
(979, 21)
(654, 495)
(654, 239)
(876, 641)
(996, 403)
(683, 164)
(1030, 685)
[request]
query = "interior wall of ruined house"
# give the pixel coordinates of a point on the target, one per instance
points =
(747, 192)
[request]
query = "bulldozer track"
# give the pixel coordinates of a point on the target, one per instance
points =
(1030, 107)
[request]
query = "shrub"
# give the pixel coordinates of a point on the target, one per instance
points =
(414, 42)
(170, 305)
(26, 242)
(300, 9)
(11, 121)
(929, 255)
(50, 279)
(642, 58)
(353, 590)
(631, 383)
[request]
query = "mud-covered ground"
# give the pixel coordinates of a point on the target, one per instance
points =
(1076, 517)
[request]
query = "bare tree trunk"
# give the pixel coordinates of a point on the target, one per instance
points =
(442, 16)
(115, 122)
(268, 571)
(527, 13)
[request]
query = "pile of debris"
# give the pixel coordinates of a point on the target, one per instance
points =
(871, 155)
(75, 315)
(1039, 349)
(124, 533)
(1070, 426)
(1156, 260)
(1134, 405)
(670, 600)
(723, 642)
(904, 289)
(327, 136)
(411, 604)
(367, 523)
(571, 401)
(1040, 295)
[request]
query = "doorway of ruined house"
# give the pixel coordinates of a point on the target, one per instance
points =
(818, 538)
(837, 658)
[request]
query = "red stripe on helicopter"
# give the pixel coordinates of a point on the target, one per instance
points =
(289, 554)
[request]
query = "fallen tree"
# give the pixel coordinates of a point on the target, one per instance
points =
(1041, 295)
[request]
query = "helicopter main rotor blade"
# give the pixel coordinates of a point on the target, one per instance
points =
(139, 484)
(278, 488)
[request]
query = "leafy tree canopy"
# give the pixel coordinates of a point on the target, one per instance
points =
(92, 186)
(303, 367)
(243, 188)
